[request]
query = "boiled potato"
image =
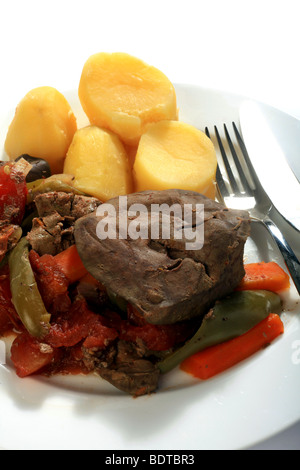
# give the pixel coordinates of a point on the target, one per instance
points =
(122, 93)
(175, 155)
(98, 161)
(43, 127)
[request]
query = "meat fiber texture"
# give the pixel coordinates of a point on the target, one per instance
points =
(52, 230)
(163, 280)
(124, 365)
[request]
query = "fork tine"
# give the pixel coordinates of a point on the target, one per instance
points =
(222, 188)
(246, 156)
(257, 203)
(238, 165)
(230, 174)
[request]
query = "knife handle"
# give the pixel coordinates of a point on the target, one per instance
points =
(288, 254)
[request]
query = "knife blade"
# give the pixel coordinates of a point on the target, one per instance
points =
(272, 139)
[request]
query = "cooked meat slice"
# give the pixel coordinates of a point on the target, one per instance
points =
(124, 366)
(163, 280)
(66, 204)
(92, 291)
(53, 231)
(83, 205)
(46, 234)
(48, 203)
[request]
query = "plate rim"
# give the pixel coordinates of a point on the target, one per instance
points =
(237, 442)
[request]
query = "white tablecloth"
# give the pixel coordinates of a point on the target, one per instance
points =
(247, 47)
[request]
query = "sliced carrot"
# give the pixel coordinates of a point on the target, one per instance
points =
(268, 276)
(70, 264)
(216, 359)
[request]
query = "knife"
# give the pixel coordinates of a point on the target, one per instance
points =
(272, 139)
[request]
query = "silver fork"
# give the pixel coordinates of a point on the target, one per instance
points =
(241, 189)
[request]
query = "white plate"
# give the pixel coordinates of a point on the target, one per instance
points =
(235, 410)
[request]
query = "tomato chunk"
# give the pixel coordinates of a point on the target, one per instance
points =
(78, 324)
(156, 337)
(30, 355)
(13, 193)
(52, 283)
(8, 315)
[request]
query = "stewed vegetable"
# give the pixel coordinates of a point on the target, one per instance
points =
(58, 183)
(231, 317)
(25, 294)
(39, 168)
(13, 191)
(127, 308)
(218, 358)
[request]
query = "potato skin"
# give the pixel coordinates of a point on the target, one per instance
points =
(43, 127)
(98, 161)
(122, 93)
(173, 154)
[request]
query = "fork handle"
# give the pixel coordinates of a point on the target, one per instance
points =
(288, 254)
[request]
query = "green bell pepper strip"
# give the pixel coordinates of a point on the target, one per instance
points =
(230, 317)
(57, 183)
(26, 297)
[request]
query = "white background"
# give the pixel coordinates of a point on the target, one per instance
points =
(247, 47)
